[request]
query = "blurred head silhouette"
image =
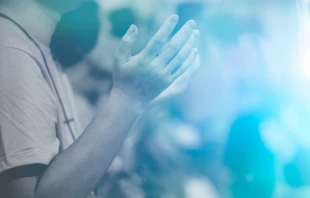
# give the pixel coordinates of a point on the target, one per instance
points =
(60, 6)
(249, 160)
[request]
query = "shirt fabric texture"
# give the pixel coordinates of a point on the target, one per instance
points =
(33, 127)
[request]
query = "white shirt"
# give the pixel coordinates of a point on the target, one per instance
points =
(32, 121)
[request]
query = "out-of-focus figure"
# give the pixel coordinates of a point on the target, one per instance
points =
(252, 164)
(84, 43)
(76, 44)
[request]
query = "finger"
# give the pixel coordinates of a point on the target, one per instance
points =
(183, 54)
(160, 38)
(176, 43)
(187, 75)
(188, 64)
(192, 69)
(124, 51)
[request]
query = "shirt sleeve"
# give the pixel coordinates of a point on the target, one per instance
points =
(28, 112)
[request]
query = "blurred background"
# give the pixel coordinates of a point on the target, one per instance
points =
(240, 128)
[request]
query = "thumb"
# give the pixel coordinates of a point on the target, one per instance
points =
(124, 51)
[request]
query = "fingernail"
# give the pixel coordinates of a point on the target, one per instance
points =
(174, 18)
(196, 34)
(192, 23)
(132, 29)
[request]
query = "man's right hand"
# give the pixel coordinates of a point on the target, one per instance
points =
(144, 76)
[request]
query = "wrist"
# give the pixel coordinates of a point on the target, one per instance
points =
(131, 101)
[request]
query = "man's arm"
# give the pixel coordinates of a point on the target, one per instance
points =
(75, 172)
(25, 177)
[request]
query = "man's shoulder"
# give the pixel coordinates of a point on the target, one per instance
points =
(20, 54)
(13, 37)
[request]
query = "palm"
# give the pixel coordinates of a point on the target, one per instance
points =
(160, 63)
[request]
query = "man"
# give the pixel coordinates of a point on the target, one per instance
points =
(42, 153)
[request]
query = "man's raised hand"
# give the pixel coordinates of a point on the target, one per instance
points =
(144, 76)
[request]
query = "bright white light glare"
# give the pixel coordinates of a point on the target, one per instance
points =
(305, 64)
(277, 140)
(200, 188)
(187, 137)
(304, 35)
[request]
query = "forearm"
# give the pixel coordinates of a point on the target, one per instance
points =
(75, 172)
